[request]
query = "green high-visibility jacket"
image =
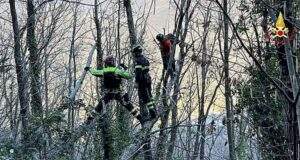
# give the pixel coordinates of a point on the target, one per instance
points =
(110, 70)
(112, 76)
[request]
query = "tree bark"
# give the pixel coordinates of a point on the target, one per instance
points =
(201, 97)
(123, 117)
(289, 78)
(294, 84)
(143, 109)
(21, 74)
(229, 116)
(35, 62)
(182, 54)
(130, 23)
(296, 106)
(104, 125)
(72, 77)
(163, 136)
(201, 119)
(72, 72)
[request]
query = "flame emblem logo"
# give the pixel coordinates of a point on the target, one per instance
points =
(280, 29)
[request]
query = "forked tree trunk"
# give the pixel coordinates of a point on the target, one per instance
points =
(187, 14)
(166, 89)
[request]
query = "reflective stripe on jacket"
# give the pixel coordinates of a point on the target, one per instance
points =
(115, 70)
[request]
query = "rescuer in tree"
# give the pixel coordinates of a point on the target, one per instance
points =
(143, 80)
(165, 45)
(112, 79)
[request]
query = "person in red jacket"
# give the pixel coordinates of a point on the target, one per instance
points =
(166, 52)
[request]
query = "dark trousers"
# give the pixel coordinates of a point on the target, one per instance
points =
(122, 99)
(168, 68)
(145, 95)
(144, 92)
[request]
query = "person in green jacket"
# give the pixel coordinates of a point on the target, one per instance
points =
(112, 79)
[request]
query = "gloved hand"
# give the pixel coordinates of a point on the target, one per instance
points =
(87, 68)
(123, 66)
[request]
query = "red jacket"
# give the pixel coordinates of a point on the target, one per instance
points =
(165, 47)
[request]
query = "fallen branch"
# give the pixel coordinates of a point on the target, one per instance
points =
(81, 78)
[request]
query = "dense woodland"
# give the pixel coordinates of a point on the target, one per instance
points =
(234, 93)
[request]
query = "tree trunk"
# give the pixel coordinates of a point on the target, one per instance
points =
(72, 77)
(35, 63)
(294, 84)
(35, 75)
(289, 78)
(98, 36)
(295, 116)
(71, 68)
(21, 74)
(182, 54)
(162, 139)
(47, 134)
(229, 117)
(130, 23)
(82, 76)
(123, 117)
(105, 123)
(201, 122)
(133, 42)
(104, 126)
(201, 97)
(163, 136)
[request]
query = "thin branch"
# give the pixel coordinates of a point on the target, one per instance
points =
(69, 1)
